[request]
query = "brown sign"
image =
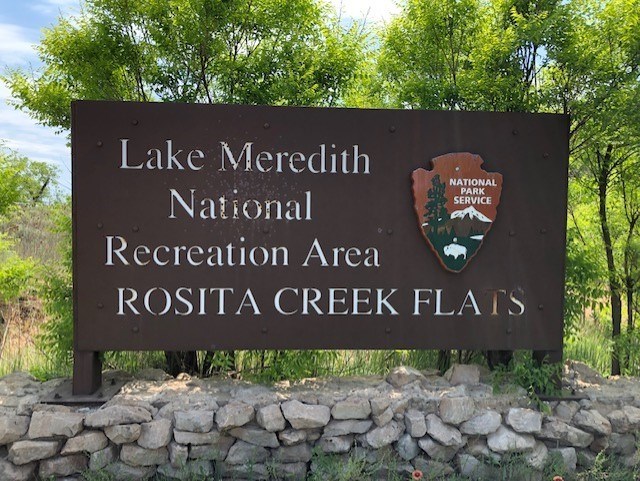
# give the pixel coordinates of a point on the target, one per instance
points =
(224, 227)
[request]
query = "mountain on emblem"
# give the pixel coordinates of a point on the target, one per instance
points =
(456, 203)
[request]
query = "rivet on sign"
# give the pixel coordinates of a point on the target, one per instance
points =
(264, 330)
(266, 125)
(392, 129)
(515, 132)
(135, 329)
(100, 305)
(99, 225)
(134, 122)
(509, 330)
(389, 231)
(543, 231)
(545, 155)
(540, 306)
(135, 228)
(99, 143)
(265, 230)
(512, 233)
(388, 330)
(379, 230)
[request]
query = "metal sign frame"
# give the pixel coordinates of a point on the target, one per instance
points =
(150, 178)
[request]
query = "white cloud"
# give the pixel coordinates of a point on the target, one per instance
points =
(16, 44)
(55, 7)
(20, 132)
(373, 10)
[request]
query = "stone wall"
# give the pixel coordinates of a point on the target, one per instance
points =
(410, 420)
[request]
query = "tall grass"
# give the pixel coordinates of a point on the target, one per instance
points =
(590, 342)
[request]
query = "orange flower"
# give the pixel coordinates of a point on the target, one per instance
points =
(558, 478)
(417, 474)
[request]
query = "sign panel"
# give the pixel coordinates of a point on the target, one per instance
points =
(233, 227)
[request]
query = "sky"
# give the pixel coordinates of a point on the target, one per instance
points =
(21, 24)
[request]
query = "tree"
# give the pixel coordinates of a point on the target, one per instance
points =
(247, 51)
(244, 51)
(593, 75)
(436, 214)
(22, 181)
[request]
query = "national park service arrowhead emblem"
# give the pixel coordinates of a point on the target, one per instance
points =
(456, 203)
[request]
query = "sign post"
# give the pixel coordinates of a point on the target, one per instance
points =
(242, 227)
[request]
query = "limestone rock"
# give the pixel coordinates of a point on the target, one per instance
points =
(415, 423)
(198, 469)
(88, 442)
(403, 375)
(213, 452)
(379, 405)
(437, 451)
(568, 456)
(123, 434)
(305, 416)
(343, 428)
(234, 415)
(484, 423)
(384, 435)
(49, 424)
(504, 440)
(178, 454)
(23, 452)
(137, 456)
(455, 410)
(117, 414)
(244, 453)
(155, 434)
(524, 420)
(600, 443)
(556, 430)
(477, 446)
(152, 374)
(351, 408)
(290, 437)
(335, 445)
(538, 457)
(257, 436)
(63, 466)
(469, 466)
(407, 447)
(444, 434)
(200, 421)
(11, 472)
(184, 437)
(12, 428)
(123, 472)
(623, 444)
(592, 421)
(270, 418)
(384, 417)
(618, 421)
(565, 410)
(463, 374)
(101, 459)
(300, 453)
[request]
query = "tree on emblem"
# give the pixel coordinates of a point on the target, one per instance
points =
(436, 214)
